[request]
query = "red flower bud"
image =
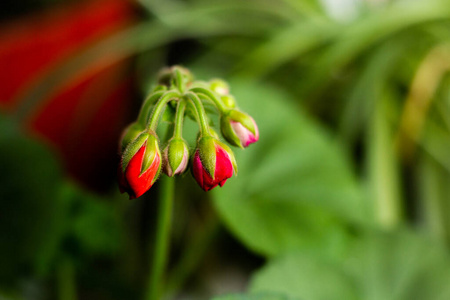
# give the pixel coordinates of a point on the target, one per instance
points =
(140, 165)
(213, 163)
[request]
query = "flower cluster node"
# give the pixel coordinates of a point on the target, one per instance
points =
(212, 162)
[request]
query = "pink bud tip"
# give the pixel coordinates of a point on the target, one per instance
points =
(245, 136)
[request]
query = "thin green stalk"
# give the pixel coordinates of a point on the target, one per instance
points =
(170, 95)
(179, 80)
(201, 114)
(161, 246)
(144, 112)
(66, 280)
(210, 96)
(196, 249)
(179, 119)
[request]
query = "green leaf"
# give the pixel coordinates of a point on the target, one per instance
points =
(368, 31)
(306, 276)
(40, 210)
(30, 179)
(394, 266)
(295, 188)
(95, 225)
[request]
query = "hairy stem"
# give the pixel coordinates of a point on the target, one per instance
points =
(201, 114)
(179, 118)
(145, 109)
(161, 246)
(179, 80)
(156, 114)
(209, 95)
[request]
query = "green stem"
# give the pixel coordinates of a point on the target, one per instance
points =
(159, 108)
(144, 112)
(179, 80)
(201, 114)
(196, 250)
(161, 249)
(179, 119)
(209, 95)
(66, 280)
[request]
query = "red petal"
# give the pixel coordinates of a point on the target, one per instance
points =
(224, 167)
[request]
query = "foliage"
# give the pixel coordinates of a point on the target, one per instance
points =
(296, 193)
(397, 265)
(345, 196)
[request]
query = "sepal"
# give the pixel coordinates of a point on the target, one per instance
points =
(207, 151)
(132, 148)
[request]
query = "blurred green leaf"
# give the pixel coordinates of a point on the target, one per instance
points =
(365, 89)
(306, 276)
(368, 31)
(288, 43)
(295, 187)
(382, 163)
(95, 224)
(40, 210)
(394, 266)
(29, 186)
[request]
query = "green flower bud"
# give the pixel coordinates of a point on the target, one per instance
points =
(175, 157)
(167, 75)
(219, 87)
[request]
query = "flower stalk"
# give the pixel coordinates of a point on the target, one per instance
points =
(159, 106)
(201, 114)
(161, 248)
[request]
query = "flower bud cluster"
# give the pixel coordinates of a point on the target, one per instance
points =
(212, 162)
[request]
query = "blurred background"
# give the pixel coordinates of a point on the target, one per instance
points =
(345, 196)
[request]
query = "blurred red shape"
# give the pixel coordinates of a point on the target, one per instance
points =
(81, 117)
